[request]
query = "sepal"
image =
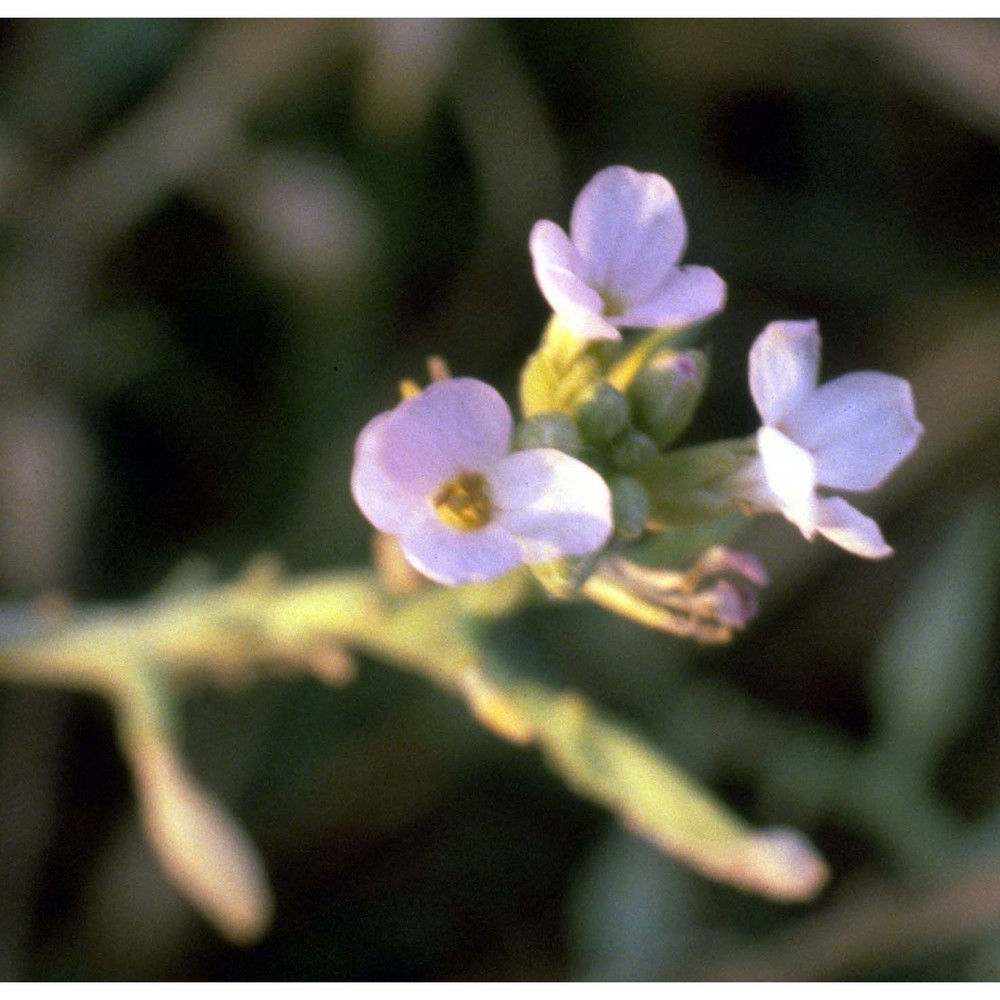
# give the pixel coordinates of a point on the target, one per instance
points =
(562, 372)
(695, 485)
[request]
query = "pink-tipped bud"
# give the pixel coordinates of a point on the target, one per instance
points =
(666, 394)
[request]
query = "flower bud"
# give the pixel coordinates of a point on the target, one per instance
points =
(666, 393)
(633, 450)
(604, 415)
(630, 505)
(548, 430)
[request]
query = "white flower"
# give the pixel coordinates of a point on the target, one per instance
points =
(847, 434)
(618, 266)
(437, 473)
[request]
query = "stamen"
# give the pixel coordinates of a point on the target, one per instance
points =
(437, 368)
(409, 389)
(464, 503)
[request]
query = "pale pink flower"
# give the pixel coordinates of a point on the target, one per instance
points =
(848, 434)
(618, 267)
(437, 472)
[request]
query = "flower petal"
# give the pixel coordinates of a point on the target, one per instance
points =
(553, 504)
(552, 249)
(791, 474)
(455, 557)
(559, 273)
(456, 425)
(630, 231)
(784, 367)
(859, 427)
(388, 504)
(687, 295)
(847, 527)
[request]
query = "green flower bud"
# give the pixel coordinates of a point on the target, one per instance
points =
(633, 450)
(548, 430)
(604, 415)
(666, 393)
(698, 484)
(630, 505)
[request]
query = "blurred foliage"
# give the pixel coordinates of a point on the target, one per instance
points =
(221, 246)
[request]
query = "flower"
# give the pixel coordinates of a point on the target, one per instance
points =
(847, 434)
(618, 267)
(437, 472)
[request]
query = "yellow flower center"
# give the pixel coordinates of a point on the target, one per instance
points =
(464, 503)
(613, 305)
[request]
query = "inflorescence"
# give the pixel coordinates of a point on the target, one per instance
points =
(584, 487)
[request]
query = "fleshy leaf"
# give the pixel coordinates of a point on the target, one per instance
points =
(207, 854)
(608, 764)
